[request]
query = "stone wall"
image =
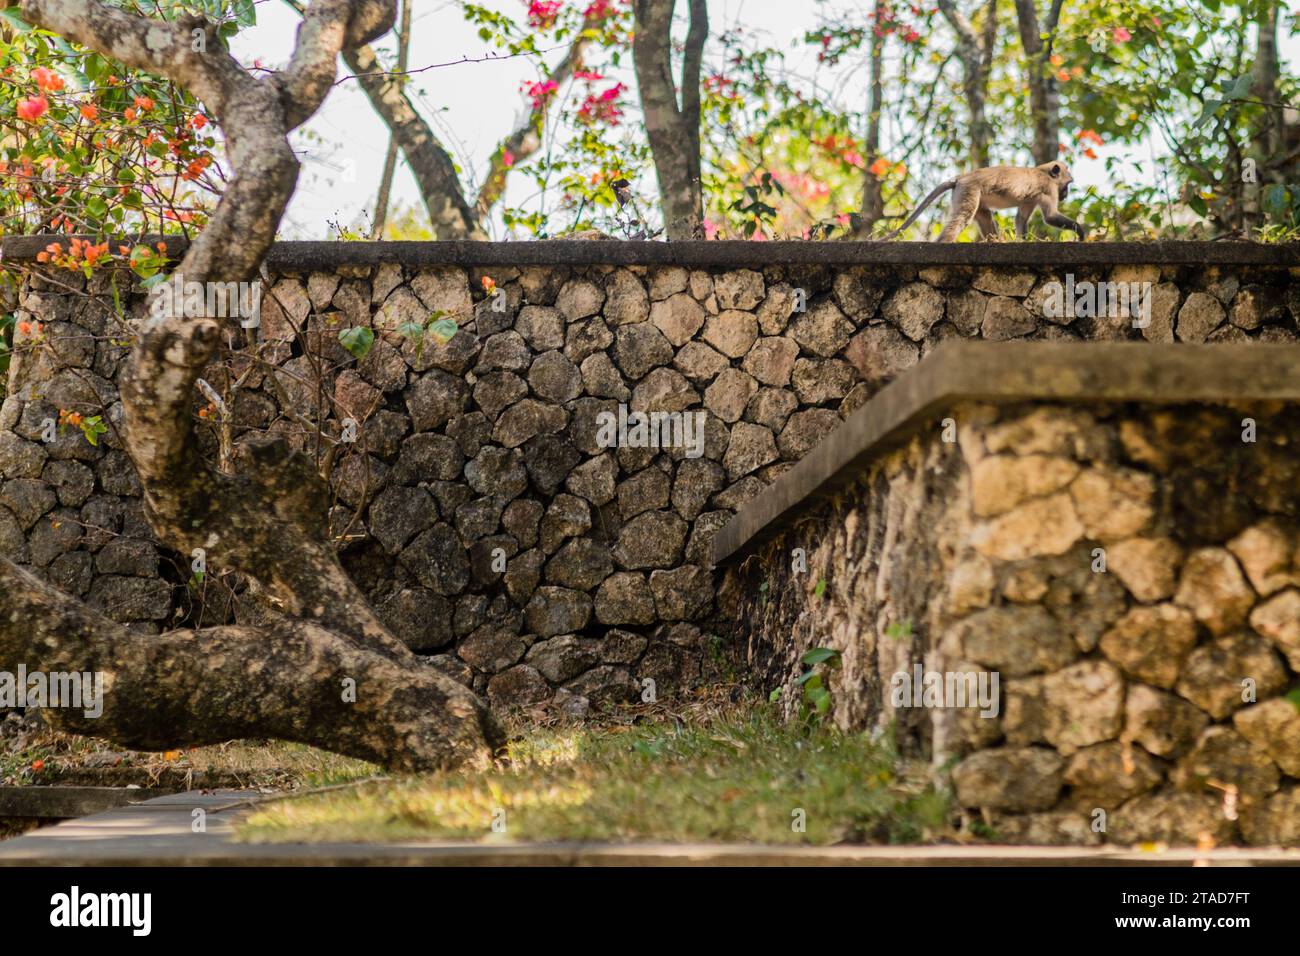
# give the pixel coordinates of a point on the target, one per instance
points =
(1130, 571)
(490, 441)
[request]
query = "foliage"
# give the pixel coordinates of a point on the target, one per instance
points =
(738, 776)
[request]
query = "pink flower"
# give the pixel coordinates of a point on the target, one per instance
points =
(540, 92)
(1121, 35)
(542, 13)
(507, 158)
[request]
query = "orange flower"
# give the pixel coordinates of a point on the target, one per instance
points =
(198, 121)
(129, 113)
(144, 103)
(47, 79)
(1057, 59)
(879, 167)
(89, 112)
(1090, 153)
(1063, 76)
(38, 765)
(33, 108)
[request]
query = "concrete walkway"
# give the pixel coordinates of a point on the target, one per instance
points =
(160, 832)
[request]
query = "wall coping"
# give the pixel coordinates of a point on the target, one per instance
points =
(1002, 372)
(327, 255)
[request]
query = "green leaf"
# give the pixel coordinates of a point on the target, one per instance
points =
(820, 698)
(1294, 698)
(810, 679)
(443, 330)
(15, 20)
(155, 278)
(773, 697)
(1238, 88)
(820, 589)
(1276, 199)
(899, 630)
(818, 655)
(1207, 113)
(357, 340)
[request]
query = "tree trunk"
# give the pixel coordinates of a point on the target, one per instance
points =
(390, 158)
(976, 55)
(430, 163)
(673, 130)
(267, 519)
(1044, 97)
(873, 201)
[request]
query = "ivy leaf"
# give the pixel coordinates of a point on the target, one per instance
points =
(357, 340)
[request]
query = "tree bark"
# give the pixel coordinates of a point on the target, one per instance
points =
(1044, 96)
(390, 158)
(975, 52)
(187, 688)
(873, 201)
(266, 520)
(430, 163)
(673, 130)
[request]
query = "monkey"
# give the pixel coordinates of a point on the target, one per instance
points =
(1000, 187)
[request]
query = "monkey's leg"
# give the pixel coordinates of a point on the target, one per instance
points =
(1022, 221)
(988, 225)
(1065, 222)
(965, 202)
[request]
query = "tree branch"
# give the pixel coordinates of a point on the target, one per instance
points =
(187, 688)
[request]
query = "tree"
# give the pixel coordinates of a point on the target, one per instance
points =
(975, 50)
(288, 677)
(390, 157)
(673, 128)
(1036, 38)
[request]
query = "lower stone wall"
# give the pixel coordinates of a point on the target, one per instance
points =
(1131, 574)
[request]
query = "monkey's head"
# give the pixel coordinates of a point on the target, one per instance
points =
(1060, 174)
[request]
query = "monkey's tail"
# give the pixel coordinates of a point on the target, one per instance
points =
(938, 191)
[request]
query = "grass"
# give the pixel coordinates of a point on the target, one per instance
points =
(738, 775)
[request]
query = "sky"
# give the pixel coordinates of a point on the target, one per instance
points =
(473, 105)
